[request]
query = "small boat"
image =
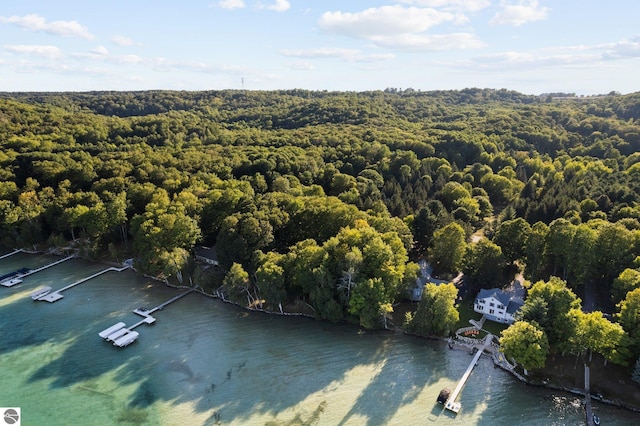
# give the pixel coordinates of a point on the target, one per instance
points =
(443, 396)
(596, 420)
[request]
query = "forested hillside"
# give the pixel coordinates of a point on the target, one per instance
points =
(327, 199)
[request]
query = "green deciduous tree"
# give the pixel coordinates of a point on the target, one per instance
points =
(549, 303)
(534, 251)
(628, 280)
(512, 236)
(594, 333)
(629, 318)
(436, 314)
(449, 247)
(270, 281)
(484, 265)
(581, 255)
(236, 285)
(616, 250)
(526, 343)
(558, 244)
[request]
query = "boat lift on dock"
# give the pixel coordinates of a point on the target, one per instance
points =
(56, 295)
(122, 336)
(451, 403)
(13, 278)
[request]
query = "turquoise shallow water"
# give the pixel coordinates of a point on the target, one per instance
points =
(206, 363)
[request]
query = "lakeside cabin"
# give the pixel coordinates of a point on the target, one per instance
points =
(207, 255)
(498, 305)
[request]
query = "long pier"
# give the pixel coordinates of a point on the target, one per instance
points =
(451, 403)
(160, 307)
(587, 397)
(146, 314)
(11, 254)
(42, 268)
(56, 295)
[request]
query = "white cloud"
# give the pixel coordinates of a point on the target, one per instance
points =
(50, 52)
(383, 21)
(100, 50)
(399, 27)
(622, 49)
(323, 52)
(280, 6)
(231, 4)
(38, 23)
(519, 13)
(435, 42)
(582, 56)
(302, 66)
(122, 41)
(350, 55)
(126, 59)
(455, 5)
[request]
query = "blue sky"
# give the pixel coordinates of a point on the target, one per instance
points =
(532, 46)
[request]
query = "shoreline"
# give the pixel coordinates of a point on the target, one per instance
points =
(522, 379)
(453, 343)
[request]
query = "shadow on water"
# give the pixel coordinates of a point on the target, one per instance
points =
(227, 363)
(398, 383)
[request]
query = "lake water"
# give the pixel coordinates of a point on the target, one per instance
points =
(205, 363)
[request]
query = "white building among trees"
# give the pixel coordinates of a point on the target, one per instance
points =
(497, 305)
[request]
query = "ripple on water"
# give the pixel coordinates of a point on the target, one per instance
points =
(206, 362)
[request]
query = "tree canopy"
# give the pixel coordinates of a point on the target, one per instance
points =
(283, 183)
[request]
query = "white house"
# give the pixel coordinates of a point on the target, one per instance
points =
(207, 255)
(497, 305)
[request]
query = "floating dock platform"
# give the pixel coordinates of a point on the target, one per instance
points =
(122, 336)
(127, 339)
(41, 292)
(108, 331)
(119, 335)
(11, 282)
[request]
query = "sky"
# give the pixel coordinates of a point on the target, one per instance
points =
(531, 46)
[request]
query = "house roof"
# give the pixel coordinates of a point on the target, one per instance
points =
(510, 301)
(207, 252)
(496, 293)
(514, 305)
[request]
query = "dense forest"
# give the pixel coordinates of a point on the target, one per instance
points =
(326, 200)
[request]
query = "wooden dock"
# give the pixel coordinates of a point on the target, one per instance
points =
(451, 403)
(56, 295)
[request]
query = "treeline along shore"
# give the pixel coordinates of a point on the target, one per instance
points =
(324, 202)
